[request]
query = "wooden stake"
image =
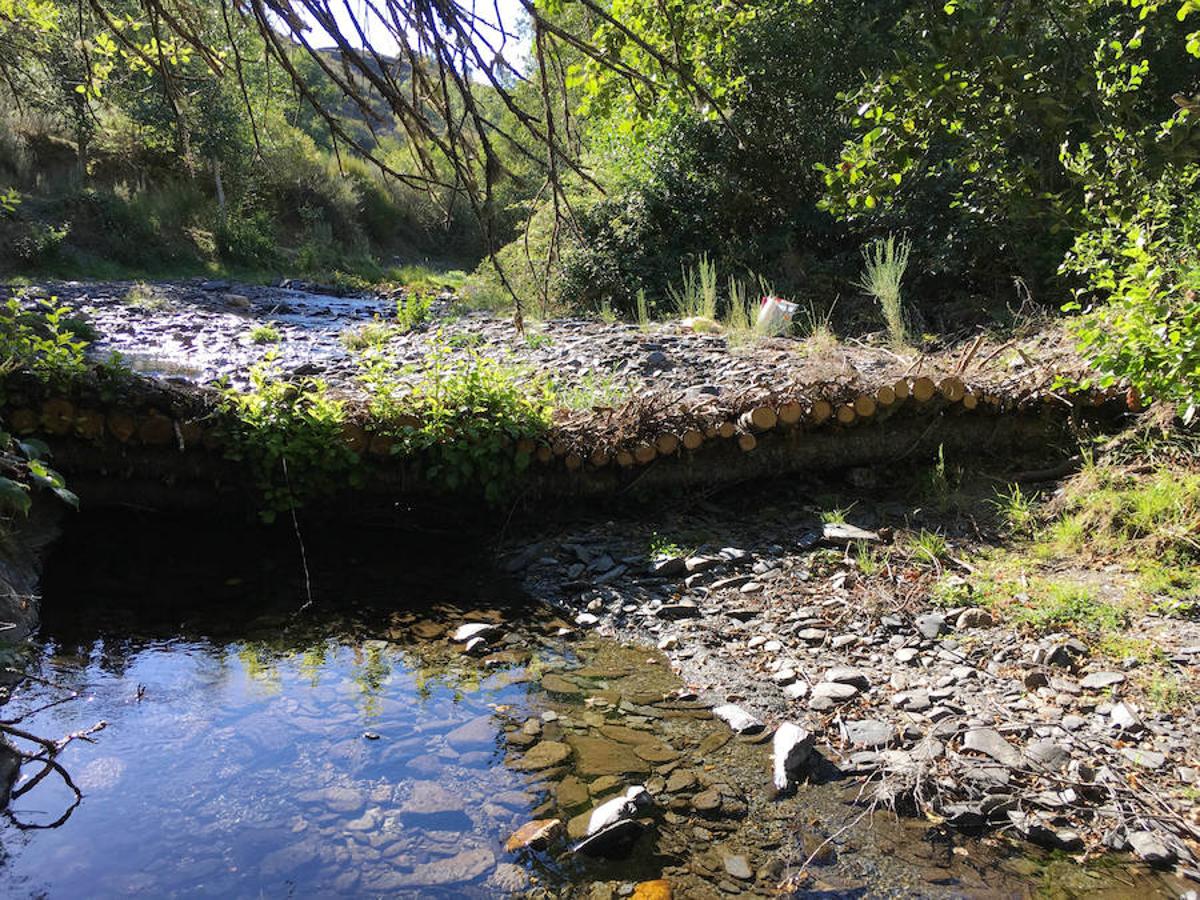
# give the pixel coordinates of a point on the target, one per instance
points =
(923, 389)
(121, 426)
(820, 412)
(864, 406)
(644, 453)
(791, 413)
(952, 388)
(58, 415)
(89, 424)
(759, 419)
(666, 444)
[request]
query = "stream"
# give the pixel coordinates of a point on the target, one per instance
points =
(262, 744)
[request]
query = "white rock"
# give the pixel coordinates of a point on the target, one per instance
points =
(737, 718)
(625, 806)
(474, 629)
(791, 747)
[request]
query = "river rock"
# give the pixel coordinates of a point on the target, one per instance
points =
(598, 756)
(1098, 681)
(828, 690)
(536, 835)
(931, 625)
(790, 750)
(974, 618)
(477, 734)
(737, 718)
(848, 675)
(839, 534)
(1151, 848)
(1048, 754)
(869, 733)
(739, 867)
(462, 867)
(989, 742)
(1147, 759)
(556, 684)
(485, 630)
(543, 755)
(432, 806)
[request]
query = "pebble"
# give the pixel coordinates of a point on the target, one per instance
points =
(739, 867)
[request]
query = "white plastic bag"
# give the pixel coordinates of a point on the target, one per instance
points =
(775, 315)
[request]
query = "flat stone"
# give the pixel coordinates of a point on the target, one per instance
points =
(1048, 754)
(869, 733)
(477, 734)
(839, 534)
(812, 635)
(474, 630)
(462, 867)
(832, 691)
(676, 611)
(1125, 717)
(707, 801)
(1151, 848)
(556, 684)
(848, 675)
(974, 618)
(680, 780)
(571, 793)
(598, 756)
(1147, 759)
(907, 654)
(543, 755)
(536, 835)
(739, 868)
(797, 690)
(667, 566)
(931, 625)
(1097, 681)
(737, 718)
(430, 805)
(989, 742)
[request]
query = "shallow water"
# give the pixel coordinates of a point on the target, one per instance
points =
(261, 745)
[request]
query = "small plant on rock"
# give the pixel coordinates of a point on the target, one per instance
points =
(265, 333)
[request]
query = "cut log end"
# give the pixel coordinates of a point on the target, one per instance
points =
(747, 442)
(791, 413)
(923, 389)
(846, 414)
(692, 439)
(666, 444)
(820, 412)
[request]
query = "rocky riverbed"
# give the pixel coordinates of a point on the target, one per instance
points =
(944, 711)
(201, 330)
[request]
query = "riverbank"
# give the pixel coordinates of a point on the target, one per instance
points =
(864, 616)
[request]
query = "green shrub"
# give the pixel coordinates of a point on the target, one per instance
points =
(247, 240)
(40, 341)
(886, 261)
(290, 434)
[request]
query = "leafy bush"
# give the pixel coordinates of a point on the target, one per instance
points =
(460, 417)
(37, 243)
(247, 240)
(41, 341)
(291, 436)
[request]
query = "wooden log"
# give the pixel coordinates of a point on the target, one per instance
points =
(89, 424)
(952, 388)
(747, 441)
(561, 447)
(526, 446)
(355, 437)
(711, 431)
(624, 459)
(864, 406)
(901, 389)
(820, 412)
(885, 396)
(573, 461)
(726, 430)
(544, 453)
(758, 420)
(644, 453)
(599, 458)
(970, 401)
(791, 413)
(58, 415)
(692, 439)
(156, 430)
(666, 444)
(121, 426)
(923, 389)
(23, 421)
(846, 414)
